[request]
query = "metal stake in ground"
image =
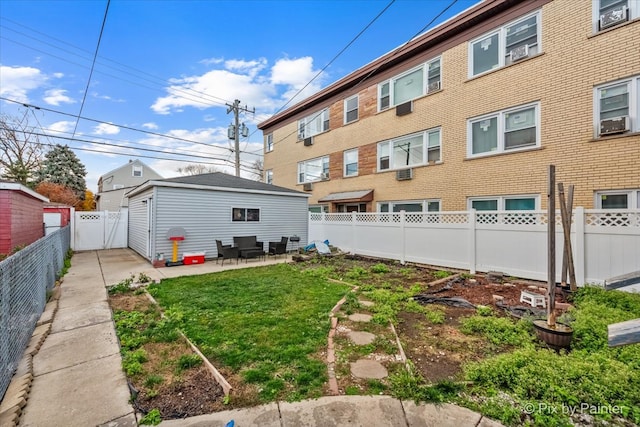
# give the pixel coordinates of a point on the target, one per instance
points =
(551, 246)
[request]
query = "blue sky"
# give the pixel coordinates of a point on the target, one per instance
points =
(170, 68)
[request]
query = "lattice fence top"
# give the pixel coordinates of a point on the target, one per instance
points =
(592, 217)
(90, 217)
(617, 218)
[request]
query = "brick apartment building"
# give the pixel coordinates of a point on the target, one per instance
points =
(471, 113)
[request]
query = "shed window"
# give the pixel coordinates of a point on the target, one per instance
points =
(245, 215)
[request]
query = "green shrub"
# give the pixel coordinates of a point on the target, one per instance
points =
(441, 274)
(379, 268)
(498, 330)
(152, 418)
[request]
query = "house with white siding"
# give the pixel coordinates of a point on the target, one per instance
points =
(113, 185)
(210, 207)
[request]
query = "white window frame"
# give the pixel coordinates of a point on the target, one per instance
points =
(307, 164)
(390, 143)
(632, 11)
(425, 204)
(269, 143)
(502, 200)
(323, 208)
(633, 198)
(425, 83)
(268, 176)
(347, 110)
(504, 57)
(501, 123)
(344, 162)
(313, 124)
(633, 89)
(136, 168)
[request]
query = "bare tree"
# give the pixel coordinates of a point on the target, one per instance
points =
(257, 170)
(196, 169)
(20, 151)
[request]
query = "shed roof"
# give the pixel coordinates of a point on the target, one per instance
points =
(218, 181)
(15, 186)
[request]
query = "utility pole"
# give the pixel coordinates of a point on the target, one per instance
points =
(236, 108)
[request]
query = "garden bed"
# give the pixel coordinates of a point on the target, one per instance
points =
(266, 329)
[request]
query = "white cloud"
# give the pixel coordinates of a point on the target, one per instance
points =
(58, 75)
(248, 80)
(212, 61)
(150, 126)
(18, 81)
(106, 129)
(63, 126)
(57, 97)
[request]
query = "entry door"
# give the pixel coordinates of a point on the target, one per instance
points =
(149, 226)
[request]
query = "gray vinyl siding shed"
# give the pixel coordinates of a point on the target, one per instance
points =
(203, 204)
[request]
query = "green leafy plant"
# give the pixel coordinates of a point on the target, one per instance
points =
(188, 361)
(441, 274)
(379, 268)
(152, 418)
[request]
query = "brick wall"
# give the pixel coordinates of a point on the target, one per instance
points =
(561, 79)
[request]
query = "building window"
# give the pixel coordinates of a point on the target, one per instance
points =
(268, 176)
(410, 85)
(351, 162)
(245, 215)
(351, 109)
(269, 145)
(137, 171)
(617, 107)
(412, 150)
(319, 208)
(618, 199)
(505, 131)
(611, 13)
(313, 170)
(432, 205)
(505, 203)
(505, 45)
(314, 124)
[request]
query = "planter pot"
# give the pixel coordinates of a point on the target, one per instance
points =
(558, 337)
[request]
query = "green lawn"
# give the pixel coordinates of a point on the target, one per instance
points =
(267, 324)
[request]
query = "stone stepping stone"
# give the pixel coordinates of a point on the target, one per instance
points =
(366, 303)
(368, 369)
(359, 317)
(361, 338)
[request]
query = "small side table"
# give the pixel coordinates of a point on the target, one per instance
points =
(295, 243)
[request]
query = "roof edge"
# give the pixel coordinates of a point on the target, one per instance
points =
(158, 183)
(14, 186)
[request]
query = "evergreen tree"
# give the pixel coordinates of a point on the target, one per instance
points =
(62, 166)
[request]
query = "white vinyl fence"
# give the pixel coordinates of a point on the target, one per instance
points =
(100, 230)
(605, 243)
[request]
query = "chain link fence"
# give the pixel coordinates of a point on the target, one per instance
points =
(25, 278)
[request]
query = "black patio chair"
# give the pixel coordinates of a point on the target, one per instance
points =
(278, 248)
(226, 252)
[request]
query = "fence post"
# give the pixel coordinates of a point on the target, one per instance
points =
(72, 221)
(578, 249)
(403, 237)
(354, 231)
(472, 241)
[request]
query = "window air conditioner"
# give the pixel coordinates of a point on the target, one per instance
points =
(614, 125)
(324, 176)
(519, 53)
(308, 141)
(308, 186)
(404, 109)
(613, 17)
(404, 174)
(433, 87)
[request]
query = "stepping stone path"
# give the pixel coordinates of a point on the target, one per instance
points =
(361, 338)
(366, 303)
(365, 368)
(358, 317)
(368, 369)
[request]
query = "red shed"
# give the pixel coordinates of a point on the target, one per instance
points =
(63, 210)
(21, 220)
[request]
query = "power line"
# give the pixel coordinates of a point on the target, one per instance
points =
(392, 55)
(93, 64)
(176, 138)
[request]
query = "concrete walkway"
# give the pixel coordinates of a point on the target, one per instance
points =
(78, 378)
